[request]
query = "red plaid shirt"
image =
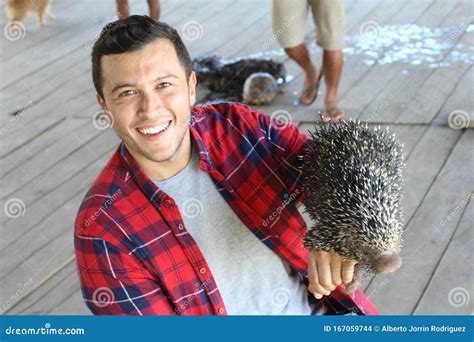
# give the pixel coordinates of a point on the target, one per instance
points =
(134, 255)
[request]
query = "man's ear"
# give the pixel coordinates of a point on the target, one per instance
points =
(192, 88)
(101, 102)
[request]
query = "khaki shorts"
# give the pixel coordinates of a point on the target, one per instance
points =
(289, 21)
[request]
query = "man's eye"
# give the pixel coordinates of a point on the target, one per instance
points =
(164, 85)
(126, 93)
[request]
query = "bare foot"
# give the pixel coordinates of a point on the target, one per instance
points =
(332, 113)
(310, 88)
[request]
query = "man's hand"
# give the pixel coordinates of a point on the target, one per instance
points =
(326, 271)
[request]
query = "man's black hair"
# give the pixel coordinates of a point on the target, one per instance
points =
(132, 34)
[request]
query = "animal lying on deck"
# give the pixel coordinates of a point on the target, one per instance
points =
(18, 9)
(254, 81)
(353, 184)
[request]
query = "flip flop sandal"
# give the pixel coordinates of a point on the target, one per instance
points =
(311, 88)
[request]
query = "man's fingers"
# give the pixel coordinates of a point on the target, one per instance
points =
(315, 293)
(347, 272)
(336, 270)
(314, 277)
(324, 273)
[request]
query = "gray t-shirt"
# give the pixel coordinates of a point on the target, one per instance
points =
(251, 278)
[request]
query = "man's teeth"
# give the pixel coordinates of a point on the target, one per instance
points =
(154, 130)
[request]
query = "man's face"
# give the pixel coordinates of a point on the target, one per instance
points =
(149, 97)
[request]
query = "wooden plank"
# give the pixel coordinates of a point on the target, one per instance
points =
(42, 83)
(459, 99)
(73, 305)
(40, 249)
(409, 79)
(379, 75)
(59, 295)
(72, 29)
(21, 133)
(34, 33)
(74, 61)
(450, 289)
(398, 293)
(233, 25)
(42, 193)
(35, 170)
(430, 96)
(21, 154)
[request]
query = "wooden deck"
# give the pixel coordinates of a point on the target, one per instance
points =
(50, 151)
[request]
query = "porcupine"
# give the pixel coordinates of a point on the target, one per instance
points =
(226, 79)
(353, 187)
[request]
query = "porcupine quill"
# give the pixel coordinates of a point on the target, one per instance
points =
(353, 186)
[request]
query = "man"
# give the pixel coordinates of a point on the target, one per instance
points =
(289, 19)
(195, 212)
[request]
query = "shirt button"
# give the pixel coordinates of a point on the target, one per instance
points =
(221, 311)
(180, 226)
(168, 202)
(202, 270)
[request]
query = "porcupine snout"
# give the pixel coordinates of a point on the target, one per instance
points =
(387, 263)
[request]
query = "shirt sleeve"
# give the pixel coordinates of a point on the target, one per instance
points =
(114, 282)
(287, 145)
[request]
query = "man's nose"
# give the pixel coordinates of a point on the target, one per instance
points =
(387, 263)
(150, 103)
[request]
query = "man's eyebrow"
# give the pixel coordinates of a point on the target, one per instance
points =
(124, 85)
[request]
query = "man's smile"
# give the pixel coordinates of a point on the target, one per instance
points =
(155, 131)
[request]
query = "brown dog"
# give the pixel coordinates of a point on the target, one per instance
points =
(18, 9)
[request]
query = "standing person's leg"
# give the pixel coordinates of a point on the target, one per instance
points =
(332, 68)
(154, 7)
(329, 18)
(289, 18)
(123, 11)
(301, 56)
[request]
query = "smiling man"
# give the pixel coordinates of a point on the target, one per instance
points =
(195, 213)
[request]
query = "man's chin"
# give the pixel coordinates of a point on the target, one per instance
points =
(157, 157)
